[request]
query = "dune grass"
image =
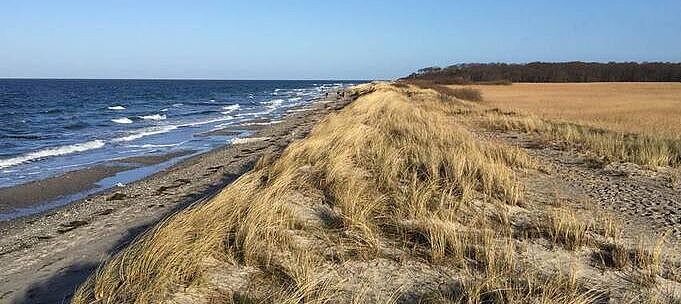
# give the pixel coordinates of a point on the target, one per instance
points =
(392, 180)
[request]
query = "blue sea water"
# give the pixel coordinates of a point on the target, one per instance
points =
(48, 127)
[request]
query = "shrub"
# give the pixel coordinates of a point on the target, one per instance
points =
(469, 94)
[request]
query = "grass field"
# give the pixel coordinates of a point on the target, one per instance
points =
(650, 108)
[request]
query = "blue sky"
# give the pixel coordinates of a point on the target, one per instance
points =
(321, 39)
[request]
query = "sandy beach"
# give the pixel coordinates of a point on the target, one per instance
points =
(44, 257)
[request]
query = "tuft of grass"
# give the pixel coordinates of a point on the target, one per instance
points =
(614, 255)
(565, 229)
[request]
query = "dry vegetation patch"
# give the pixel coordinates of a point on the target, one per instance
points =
(390, 200)
(643, 108)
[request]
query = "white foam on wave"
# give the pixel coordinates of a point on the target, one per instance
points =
(222, 126)
(298, 110)
(274, 103)
(230, 108)
(154, 117)
(145, 132)
(55, 151)
(295, 99)
(263, 123)
(147, 146)
(122, 120)
(164, 110)
(237, 140)
(116, 108)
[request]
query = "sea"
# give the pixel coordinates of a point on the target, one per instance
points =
(52, 126)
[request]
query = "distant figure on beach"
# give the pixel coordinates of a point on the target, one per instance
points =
(326, 95)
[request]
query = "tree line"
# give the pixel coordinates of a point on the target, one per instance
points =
(500, 73)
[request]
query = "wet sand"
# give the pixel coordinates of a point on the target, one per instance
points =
(33, 193)
(44, 257)
(154, 159)
(221, 132)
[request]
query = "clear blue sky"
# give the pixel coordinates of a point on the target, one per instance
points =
(321, 39)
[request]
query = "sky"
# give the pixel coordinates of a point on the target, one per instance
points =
(321, 39)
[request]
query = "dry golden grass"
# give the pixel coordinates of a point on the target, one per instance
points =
(394, 180)
(647, 150)
(650, 108)
(634, 122)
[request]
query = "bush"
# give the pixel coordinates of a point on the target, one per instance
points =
(467, 94)
(495, 82)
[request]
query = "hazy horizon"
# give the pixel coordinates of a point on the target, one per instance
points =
(308, 40)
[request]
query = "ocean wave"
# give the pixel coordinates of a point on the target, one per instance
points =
(147, 146)
(198, 123)
(230, 108)
(254, 114)
(196, 113)
(295, 99)
(56, 151)
(77, 125)
(154, 117)
(122, 120)
(145, 132)
(116, 108)
(53, 111)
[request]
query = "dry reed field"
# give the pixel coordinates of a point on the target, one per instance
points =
(395, 199)
(651, 108)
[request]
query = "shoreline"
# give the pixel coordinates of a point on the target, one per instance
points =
(44, 256)
(47, 193)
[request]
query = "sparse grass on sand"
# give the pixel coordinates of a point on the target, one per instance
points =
(390, 200)
(643, 149)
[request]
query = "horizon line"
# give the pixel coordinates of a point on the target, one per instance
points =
(206, 79)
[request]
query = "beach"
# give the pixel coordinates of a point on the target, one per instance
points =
(413, 195)
(45, 256)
